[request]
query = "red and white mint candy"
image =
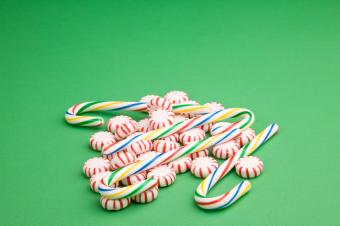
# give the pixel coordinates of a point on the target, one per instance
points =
(140, 147)
(192, 135)
(246, 136)
(225, 150)
(249, 167)
(203, 166)
(172, 137)
(206, 127)
(101, 139)
(146, 196)
(96, 165)
(122, 158)
(202, 153)
(163, 174)
(114, 204)
(135, 178)
(163, 146)
(96, 179)
(160, 119)
(117, 120)
(181, 165)
(147, 98)
(214, 106)
(126, 129)
(146, 155)
(143, 125)
(176, 97)
(159, 103)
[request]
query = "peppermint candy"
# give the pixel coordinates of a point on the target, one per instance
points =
(203, 166)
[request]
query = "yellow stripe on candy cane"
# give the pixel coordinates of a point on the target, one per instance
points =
(123, 190)
(191, 109)
(76, 118)
(127, 171)
(257, 141)
(227, 114)
(105, 105)
(202, 185)
(246, 189)
(151, 134)
(212, 139)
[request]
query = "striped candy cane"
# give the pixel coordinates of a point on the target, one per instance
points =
(225, 200)
(247, 120)
(72, 115)
(161, 158)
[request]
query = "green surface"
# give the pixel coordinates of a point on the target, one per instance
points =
(278, 58)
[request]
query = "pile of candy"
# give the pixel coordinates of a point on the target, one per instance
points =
(138, 158)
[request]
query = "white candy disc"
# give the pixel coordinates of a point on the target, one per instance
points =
(163, 146)
(172, 137)
(181, 165)
(146, 155)
(117, 120)
(202, 153)
(122, 158)
(225, 150)
(249, 167)
(203, 166)
(214, 106)
(147, 98)
(140, 147)
(159, 103)
(176, 97)
(192, 135)
(160, 119)
(117, 204)
(101, 139)
(96, 179)
(96, 165)
(143, 125)
(146, 196)
(126, 129)
(246, 136)
(135, 178)
(164, 175)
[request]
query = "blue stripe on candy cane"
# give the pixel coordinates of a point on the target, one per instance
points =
(128, 106)
(213, 130)
(127, 143)
(270, 130)
(212, 115)
(232, 199)
(146, 165)
(227, 135)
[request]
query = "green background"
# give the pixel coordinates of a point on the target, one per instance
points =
(281, 59)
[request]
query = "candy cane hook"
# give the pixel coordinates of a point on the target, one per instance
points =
(225, 200)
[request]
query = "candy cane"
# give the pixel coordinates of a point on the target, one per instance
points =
(161, 158)
(225, 200)
(72, 115)
(247, 121)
